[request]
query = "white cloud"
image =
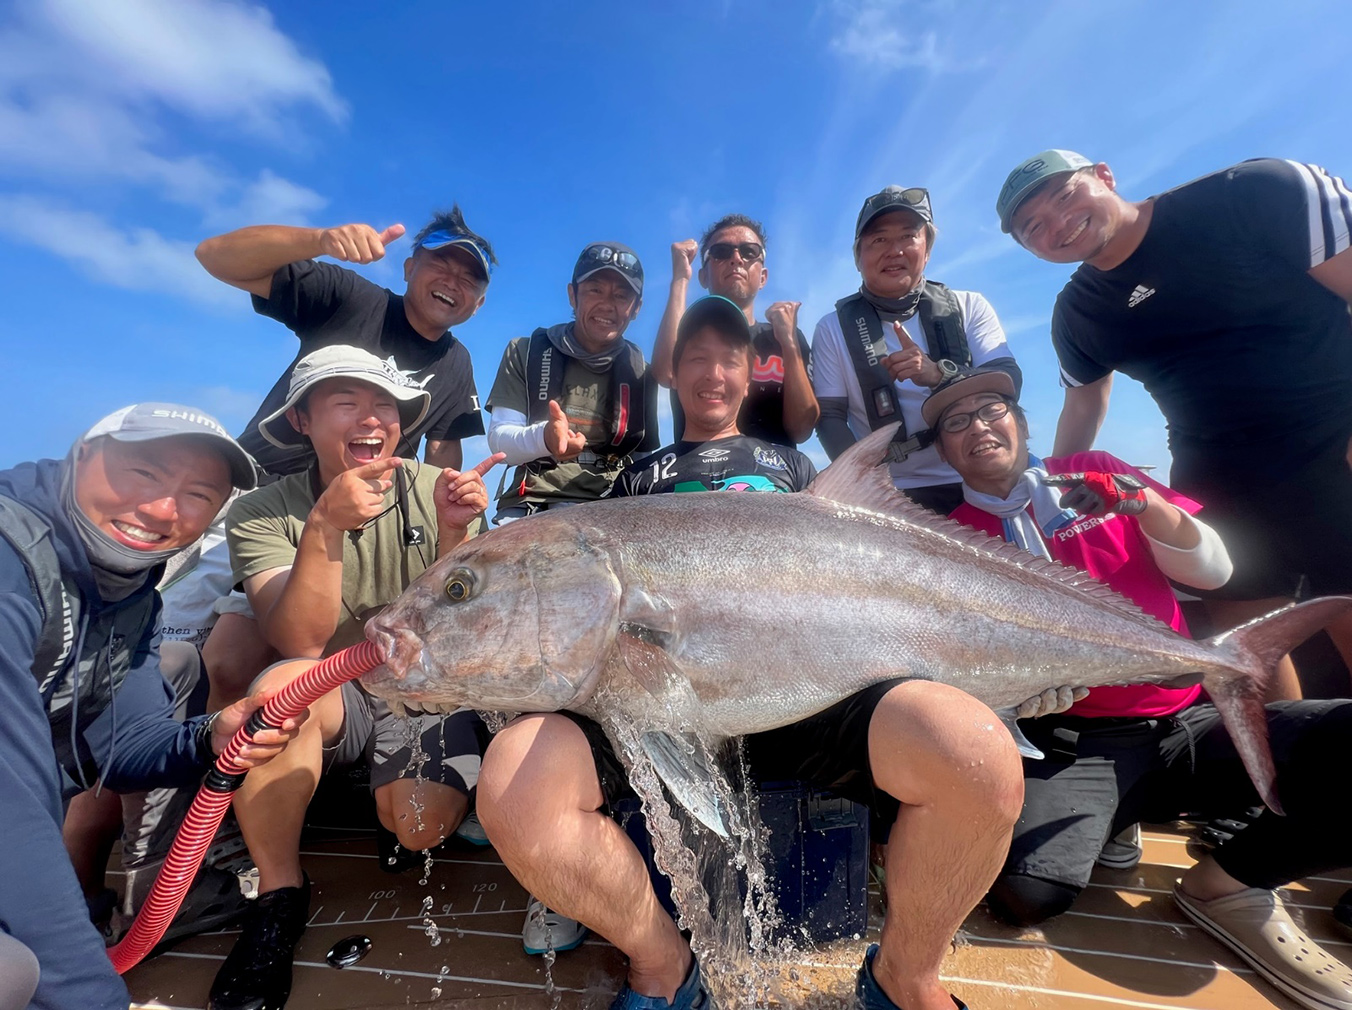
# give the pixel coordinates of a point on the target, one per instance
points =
(891, 35)
(97, 93)
(138, 259)
(207, 58)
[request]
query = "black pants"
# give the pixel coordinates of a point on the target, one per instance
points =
(1101, 775)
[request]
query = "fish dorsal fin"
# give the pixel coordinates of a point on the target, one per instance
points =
(859, 479)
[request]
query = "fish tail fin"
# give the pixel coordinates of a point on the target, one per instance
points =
(1254, 650)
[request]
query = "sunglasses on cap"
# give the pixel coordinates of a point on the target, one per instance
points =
(749, 251)
(609, 256)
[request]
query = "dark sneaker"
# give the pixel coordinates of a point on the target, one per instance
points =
(257, 974)
(868, 995)
(690, 996)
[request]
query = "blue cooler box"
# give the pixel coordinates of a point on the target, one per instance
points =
(818, 856)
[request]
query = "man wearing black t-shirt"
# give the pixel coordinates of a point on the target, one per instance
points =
(447, 275)
(1228, 299)
(711, 374)
(780, 406)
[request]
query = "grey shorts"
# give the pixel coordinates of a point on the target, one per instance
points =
(454, 744)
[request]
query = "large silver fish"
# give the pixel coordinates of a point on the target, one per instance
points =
(730, 614)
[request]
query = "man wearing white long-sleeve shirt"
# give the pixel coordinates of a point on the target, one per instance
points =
(573, 403)
(878, 355)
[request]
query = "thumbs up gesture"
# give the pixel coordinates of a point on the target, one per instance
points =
(561, 440)
(911, 362)
(357, 243)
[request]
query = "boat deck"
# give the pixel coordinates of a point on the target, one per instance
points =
(1122, 945)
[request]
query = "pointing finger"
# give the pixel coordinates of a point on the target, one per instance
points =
(377, 467)
(488, 464)
(907, 344)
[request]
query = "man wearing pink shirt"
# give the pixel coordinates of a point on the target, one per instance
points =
(1121, 755)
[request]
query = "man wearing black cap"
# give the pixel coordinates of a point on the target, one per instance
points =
(571, 404)
(82, 700)
(876, 357)
(447, 276)
(781, 406)
(1228, 299)
(711, 374)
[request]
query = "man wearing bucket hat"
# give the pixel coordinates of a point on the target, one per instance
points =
(82, 700)
(1235, 282)
(447, 276)
(317, 554)
(877, 356)
(1120, 755)
(572, 403)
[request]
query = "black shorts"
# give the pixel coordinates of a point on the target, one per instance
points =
(1101, 775)
(828, 750)
(1286, 537)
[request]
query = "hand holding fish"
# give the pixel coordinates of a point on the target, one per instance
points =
(561, 440)
(1050, 702)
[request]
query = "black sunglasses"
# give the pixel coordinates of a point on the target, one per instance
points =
(749, 251)
(621, 258)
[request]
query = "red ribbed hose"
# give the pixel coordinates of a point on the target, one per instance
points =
(204, 816)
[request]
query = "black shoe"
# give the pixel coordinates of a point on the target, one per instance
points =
(257, 974)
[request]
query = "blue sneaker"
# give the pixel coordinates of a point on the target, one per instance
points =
(868, 995)
(690, 996)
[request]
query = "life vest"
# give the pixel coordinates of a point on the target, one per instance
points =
(627, 408)
(862, 329)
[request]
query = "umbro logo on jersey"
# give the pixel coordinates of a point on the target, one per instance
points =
(715, 453)
(1139, 295)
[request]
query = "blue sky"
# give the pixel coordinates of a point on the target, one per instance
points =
(130, 130)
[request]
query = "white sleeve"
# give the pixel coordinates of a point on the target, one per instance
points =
(828, 364)
(1206, 566)
(510, 431)
(985, 335)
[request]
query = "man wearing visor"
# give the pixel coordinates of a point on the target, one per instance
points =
(573, 402)
(780, 406)
(447, 276)
(878, 355)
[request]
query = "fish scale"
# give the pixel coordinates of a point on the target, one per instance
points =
(726, 614)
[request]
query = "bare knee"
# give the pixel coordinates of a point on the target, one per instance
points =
(933, 743)
(536, 769)
(421, 814)
(234, 654)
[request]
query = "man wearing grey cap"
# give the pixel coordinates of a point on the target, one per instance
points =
(573, 402)
(82, 699)
(877, 356)
(1227, 298)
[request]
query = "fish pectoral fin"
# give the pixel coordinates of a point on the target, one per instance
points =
(682, 768)
(1010, 718)
(651, 615)
(643, 651)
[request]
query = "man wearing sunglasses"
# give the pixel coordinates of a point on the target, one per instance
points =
(877, 356)
(781, 406)
(1234, 282)
(1121, 755)
(573, 402)
(447, 277)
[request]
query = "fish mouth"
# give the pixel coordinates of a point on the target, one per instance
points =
(400, 649)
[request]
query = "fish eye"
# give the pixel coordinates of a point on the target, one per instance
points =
(460, 585)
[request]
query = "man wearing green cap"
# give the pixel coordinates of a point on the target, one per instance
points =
(1232, 285)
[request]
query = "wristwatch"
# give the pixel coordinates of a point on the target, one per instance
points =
(947, 369)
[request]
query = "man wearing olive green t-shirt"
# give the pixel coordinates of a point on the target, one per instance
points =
(317, 553)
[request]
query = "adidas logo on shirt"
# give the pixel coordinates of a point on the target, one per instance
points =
(1139, 295)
